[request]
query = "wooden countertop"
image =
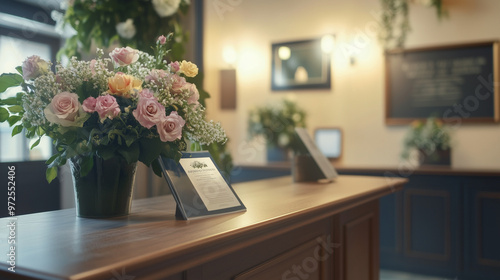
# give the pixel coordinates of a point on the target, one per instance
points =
(59, 245)
(397, 171)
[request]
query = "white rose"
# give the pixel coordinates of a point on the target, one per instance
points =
(126, 29)
(165, 8)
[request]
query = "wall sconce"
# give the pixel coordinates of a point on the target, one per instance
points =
(229, 55)
(228, 80)
(327, 43)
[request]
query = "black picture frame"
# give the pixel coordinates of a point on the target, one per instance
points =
(305, 67)
(453, 83)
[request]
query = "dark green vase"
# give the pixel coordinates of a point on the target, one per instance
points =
(106, 191)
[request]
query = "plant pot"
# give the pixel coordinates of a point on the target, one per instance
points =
(276, 154)
(438, 157)
(106, 191)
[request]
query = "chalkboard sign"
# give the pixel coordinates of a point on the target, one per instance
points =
(453, 83)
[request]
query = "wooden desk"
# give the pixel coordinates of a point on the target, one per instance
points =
(324, 231)
(445, 222)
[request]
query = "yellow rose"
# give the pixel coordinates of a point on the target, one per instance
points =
(123, 85)
(416, 123)
(188, 68)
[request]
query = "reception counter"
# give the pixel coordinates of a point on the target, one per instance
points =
(290, 231)
(445, 222)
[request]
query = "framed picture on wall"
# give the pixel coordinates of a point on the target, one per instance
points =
(300, 65)
(457, 84)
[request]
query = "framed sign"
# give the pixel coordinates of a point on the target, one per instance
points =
(458, 83)
(300, 65)
(198, 187)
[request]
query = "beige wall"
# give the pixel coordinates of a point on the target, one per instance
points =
(356, 100)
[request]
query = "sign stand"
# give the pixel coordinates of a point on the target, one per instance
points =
(311, 165)
(198, 187)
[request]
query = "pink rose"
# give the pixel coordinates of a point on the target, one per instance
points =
(170, 128)
(34, 66)
(175, 66)
(89, 104)
(194, 94)
(147, 93)
(149, 112)
(155, 75)
(162, 40)
(124, 56)
(107, 107)
(178, 83)
(64, 109)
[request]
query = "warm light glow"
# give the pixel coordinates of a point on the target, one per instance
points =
(284, 53)
(327, 43)
(229, 55)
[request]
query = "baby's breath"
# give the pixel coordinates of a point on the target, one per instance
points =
(90, 109)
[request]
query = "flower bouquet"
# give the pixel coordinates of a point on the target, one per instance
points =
(103, 121)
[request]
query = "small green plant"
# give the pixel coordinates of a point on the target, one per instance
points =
(427, 137)
(277, 124)
(396, 22)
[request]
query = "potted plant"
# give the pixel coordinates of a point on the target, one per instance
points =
(431, 139)
(277, 125)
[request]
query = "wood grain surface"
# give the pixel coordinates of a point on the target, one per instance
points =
(59, 245)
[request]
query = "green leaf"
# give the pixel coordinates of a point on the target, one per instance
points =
(16, 109)
(13, 120)
(51, 173)
(40, 131)
(17, 129)
(19, 97)
(30, 132)
(131, 154)
(4, 114)
(150, 149)
(56, 160)
(106, 152)
(19, 69)
(70, 137)
(155, 164)
(87, 164)
(52, 158)
(9, 101)
(130, 137)
(36, 143)
(8, 80)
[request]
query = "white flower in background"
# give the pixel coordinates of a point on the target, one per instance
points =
(126, 29)
(165, 8)
(283, 140)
